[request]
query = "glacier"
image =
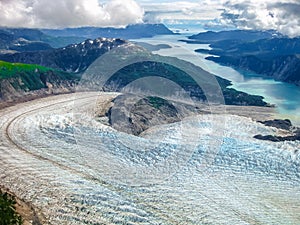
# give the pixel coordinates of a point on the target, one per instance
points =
(206, 169)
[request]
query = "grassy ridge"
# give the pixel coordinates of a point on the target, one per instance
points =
(8, 70)
(23, 76)
(30, 77)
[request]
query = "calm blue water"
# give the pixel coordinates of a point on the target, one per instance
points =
(285, 96)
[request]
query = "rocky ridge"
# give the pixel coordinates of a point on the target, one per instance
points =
(73, 58)
(133, 114)
(291, 133)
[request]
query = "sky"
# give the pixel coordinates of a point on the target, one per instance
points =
(280, 15)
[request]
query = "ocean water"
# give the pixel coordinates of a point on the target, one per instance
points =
(286, 97)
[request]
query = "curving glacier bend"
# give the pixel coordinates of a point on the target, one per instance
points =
(203, 170)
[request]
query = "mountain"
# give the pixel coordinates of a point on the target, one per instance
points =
(76, 58)
(275, 56)
(165, 68)
(21, 39)
(26, 39)
(5, 39)
(18, 80)
(130, 32)
(26, 33)
(240, 35)
(136, 71)
(283, 68)
(72, 58)
(263, 48)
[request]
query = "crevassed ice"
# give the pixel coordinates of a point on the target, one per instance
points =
(246, 181)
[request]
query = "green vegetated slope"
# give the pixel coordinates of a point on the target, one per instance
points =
(28, 77)
(8, 215)
(140, 70)
(23, 76)
(12, 69)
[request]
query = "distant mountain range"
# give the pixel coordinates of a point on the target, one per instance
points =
(238, 35)
(22, 40)
(264, 53)
(130, 32)
(73, 58)
(25, 39)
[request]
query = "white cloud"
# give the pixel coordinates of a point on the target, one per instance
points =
(125, 12)
(282, 16)
(192, 10)
(69, 13)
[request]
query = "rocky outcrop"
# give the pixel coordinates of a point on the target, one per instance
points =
(133, 114)
(293, 133)
(295, 137)
(280, 124)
